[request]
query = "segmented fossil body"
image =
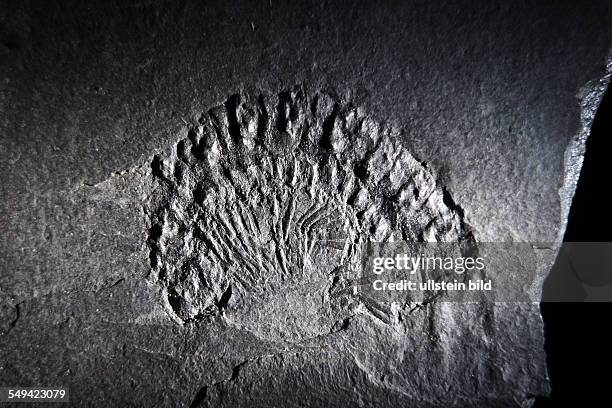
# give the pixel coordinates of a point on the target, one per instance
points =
(269, 201)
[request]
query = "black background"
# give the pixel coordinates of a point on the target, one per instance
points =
(578, 335)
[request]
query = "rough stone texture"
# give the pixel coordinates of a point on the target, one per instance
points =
(112, 158)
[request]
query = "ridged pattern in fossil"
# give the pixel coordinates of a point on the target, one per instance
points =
(276, 193)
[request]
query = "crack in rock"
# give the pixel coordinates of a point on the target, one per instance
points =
(13, 322)
(202, 394)
(268, 202)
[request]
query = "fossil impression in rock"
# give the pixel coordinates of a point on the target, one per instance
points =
(275, 195)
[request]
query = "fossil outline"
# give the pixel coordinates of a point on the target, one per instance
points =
(274, 191)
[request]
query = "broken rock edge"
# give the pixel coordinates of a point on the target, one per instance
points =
(589, 99)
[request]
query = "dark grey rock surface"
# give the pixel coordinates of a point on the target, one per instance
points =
(157, 183)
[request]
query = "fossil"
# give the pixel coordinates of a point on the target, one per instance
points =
(273, 194)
